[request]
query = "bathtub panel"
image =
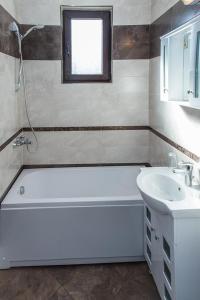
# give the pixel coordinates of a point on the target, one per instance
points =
(70, 235)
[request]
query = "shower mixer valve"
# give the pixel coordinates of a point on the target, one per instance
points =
(20, 141)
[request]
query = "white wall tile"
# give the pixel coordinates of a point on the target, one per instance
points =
(90, 147)
(10, 120)
(159, 151)
(123, 102)
(159, 7)
(126, 12)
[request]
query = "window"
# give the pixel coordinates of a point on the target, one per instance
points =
(86, 46)
(180, 65)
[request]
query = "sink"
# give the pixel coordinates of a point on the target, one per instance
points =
(159, 187)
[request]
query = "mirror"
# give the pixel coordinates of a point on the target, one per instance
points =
(180, 65)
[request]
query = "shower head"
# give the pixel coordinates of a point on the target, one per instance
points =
(13, 27)
(39, 26)
(36, 27)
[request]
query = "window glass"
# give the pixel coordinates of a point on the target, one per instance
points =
(87, 46)
(87, 40)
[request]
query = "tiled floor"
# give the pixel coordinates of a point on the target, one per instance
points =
(92, 282)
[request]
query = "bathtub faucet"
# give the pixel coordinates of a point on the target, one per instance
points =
(20, 141)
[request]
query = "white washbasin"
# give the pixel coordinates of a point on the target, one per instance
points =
(159, 187)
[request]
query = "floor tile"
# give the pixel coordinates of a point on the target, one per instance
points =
(128, 281)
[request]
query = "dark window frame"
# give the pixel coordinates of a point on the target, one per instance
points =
(105, 15)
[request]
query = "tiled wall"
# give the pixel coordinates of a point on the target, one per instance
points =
(179, 124)
(124, 102)
(99, 108)
(121, 103)
(10, 7)
(126, 12)
(10, 159)
(159, 7)
(90, 147)
(159, 150)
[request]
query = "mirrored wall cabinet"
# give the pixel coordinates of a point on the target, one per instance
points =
(180, 65)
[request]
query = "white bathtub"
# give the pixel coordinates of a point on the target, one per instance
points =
(72, 216)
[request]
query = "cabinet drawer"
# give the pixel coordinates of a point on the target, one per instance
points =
(148, 214)
(166, 227)
(167, 294)
(148, 252)
(167, 272)
(166, 248)
(148, 232)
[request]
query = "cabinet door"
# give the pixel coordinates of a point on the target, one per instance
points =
(157, 253)
(195, 66)
(153, 249)
(166, 225)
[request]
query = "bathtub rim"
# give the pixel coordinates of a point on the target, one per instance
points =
(134, 199)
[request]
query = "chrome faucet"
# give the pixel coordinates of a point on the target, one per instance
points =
(20, 141)
(185, 168)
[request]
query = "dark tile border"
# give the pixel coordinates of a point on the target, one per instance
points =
(48, 166)
(8, 41)
(43, 44)
(176, 146)
(11, 184)
(131, 42)
(176, 16)
(6, 143)
(87, 128)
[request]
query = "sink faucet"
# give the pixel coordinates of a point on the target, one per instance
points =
(187, 169)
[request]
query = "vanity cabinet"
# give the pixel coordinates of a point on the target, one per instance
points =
(172, 251)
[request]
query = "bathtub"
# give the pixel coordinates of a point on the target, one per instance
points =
(83, 215)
